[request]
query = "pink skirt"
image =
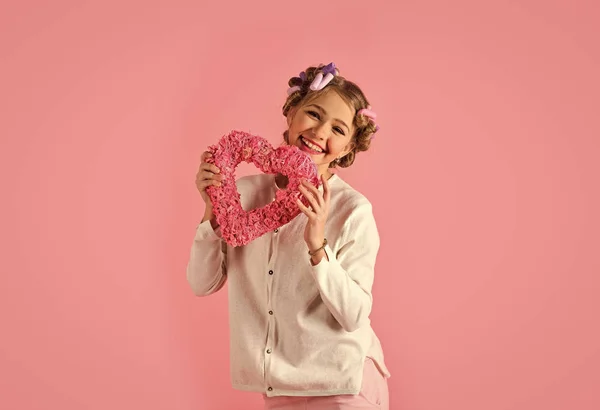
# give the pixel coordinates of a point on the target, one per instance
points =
(373, 395)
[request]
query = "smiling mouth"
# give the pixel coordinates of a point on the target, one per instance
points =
(311, 146)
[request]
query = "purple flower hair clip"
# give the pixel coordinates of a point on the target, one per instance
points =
(323, 77)
(295, 88)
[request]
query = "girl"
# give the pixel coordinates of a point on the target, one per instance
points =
(300, 296)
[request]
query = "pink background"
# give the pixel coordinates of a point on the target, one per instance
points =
(484, 180)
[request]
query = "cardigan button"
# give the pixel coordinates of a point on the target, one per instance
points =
(271, 312)
(270, 388)
(276, 230)
(268, 351)
(270, 272)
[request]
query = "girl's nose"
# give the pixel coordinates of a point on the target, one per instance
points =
(319, 132)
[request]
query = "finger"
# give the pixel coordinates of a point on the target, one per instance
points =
(210, 175)
(201, 174)
(216, 181)
(202, 185)
(314, 191)
(210, 167)
(310, 197)
(205, 156)
(304, 209)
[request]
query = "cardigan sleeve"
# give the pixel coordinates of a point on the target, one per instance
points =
(207, 265)
(345, 280)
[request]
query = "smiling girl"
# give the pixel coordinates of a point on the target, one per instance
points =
(300, 297)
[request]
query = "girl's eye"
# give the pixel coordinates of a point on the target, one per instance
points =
(339, 130)
(316, 115)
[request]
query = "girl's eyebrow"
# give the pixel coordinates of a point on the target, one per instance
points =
(325, 112)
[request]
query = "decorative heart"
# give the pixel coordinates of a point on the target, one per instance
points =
(239, 227)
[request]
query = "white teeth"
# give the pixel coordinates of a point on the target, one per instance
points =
(311, 145)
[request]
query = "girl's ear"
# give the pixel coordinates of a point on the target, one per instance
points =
(351, 145)
(291, 114)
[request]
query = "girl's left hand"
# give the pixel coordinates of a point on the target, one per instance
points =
(317, 214)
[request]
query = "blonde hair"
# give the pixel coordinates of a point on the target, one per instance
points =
(350, 93)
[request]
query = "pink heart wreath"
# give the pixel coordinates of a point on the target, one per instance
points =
(240, 227)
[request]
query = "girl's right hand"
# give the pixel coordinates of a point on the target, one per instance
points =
(208, 174)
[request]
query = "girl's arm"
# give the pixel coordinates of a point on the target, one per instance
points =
(207, 265)
(345, 278)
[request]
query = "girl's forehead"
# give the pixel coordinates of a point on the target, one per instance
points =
(331, 101)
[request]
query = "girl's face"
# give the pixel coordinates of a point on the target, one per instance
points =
(323, 128)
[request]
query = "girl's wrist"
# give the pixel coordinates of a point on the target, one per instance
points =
(210, 216)
(208, 213)
(318, 256)
(313, 249)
